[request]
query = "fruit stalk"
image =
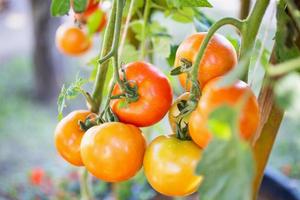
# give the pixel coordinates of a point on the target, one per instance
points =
(146, 18)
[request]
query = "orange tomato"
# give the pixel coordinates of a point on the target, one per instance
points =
(68, 136)
(170, 165)
(71, 40)
(113, 151)
(155, 96)
(213, 97)
(219, 57)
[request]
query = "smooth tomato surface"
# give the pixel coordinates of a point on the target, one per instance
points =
(71, 40)
(155, 96)
(219, 57)
(113, 151)
(174, 112)
(68, 136)
(213, 97)
(169, 166)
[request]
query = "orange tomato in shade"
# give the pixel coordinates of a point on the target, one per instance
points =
(83, 17)
(113, 151)
(213, 97)
(68, 136)
(219, 57)
(71, 40)
(155, 96)
(170, 165)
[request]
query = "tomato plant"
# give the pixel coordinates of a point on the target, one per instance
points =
(154, 94)
(220, 129)
(113, 151)
(71, 40)
(172, 173)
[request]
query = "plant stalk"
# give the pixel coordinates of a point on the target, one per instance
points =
(195, 91)
(144, 30)
(85, 186)
(102, 68)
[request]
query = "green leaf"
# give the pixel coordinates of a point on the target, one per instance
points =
(235, 42)
(93, 21)
(172, 55)
(189, 3)
(137, 27)
(286, 47)
(221, 120)
(201, 21)
(287, 90)
(129, 54)
(162, 45)
(79, 5)
(60, 7)
(227, 162)
(183, 15)
(68, 93)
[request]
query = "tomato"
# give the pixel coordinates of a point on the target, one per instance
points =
(219, 57)
(155, 96)
(68, 136)
(174, 112)
(71, 40)
(213, 97)
(83, 17)
(113, 151)
(170, 164)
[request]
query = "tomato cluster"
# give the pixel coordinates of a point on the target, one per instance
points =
(116, 150)
(73, 40)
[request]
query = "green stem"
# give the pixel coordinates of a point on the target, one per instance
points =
(250, 29)
(102, 68)
(126, 26)
(85, 190)
(284, 68)
(195, 91)
(144, 30)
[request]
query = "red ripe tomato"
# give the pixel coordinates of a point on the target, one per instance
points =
(213, 97)
(155, 96)
(113, 151)
(71, 40)
(170, 165)
(219, 57)
(68, 136)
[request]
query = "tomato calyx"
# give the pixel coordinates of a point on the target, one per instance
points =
(129, 90)
(90, 121)
(184, 67)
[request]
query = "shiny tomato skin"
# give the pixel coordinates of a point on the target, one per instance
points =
(174, 111)
(213, 97)
(72, 41)
(219, 57)
(155, 96)
(68, 135)
(170, 164)
(113, 151)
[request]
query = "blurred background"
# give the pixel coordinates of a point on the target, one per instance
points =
(32, 72)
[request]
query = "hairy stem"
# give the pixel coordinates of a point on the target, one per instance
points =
(284, 68)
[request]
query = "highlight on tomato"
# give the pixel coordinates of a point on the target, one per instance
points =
(68, 135)
(219, 57)
(153, 91)
(170, 165)
(214, 96)
(71, 40)
(113, 151)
